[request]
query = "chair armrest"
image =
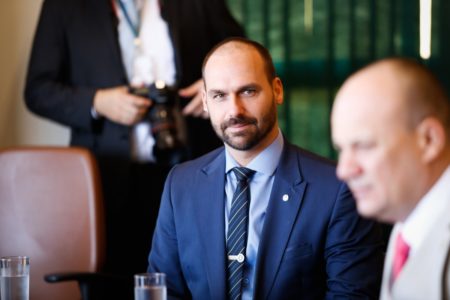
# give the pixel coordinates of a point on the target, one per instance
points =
(80, 276)
(93, 285)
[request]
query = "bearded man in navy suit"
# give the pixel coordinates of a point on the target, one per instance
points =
(304, 238)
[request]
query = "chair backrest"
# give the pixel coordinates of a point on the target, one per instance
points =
(51, 210)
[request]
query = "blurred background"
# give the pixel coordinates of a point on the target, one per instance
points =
(315, 44)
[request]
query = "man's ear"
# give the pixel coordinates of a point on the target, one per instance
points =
(277, 87)
(432, 138)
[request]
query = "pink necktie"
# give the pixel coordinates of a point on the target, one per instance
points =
(400, 257)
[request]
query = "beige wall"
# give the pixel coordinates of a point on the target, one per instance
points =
(18, 126)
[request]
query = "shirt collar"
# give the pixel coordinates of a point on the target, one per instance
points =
(421, 221)
(265, 162)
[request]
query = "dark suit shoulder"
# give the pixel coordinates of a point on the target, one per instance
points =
(59, 7)
(313, 166)
(308, 155)
(77, 10)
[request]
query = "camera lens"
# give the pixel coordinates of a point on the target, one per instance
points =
(165, 119)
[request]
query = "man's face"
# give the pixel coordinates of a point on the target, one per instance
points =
(379, 156)
(239, 98)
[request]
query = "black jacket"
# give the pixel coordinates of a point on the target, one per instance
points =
(76, 52)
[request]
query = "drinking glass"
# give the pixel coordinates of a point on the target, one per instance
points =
(150, 286)
(14, 277)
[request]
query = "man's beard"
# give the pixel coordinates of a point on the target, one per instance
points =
(250, 137)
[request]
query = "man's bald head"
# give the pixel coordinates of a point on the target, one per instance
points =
(419, 91)
(239, 43)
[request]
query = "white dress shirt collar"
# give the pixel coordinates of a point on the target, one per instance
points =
(421, 221)
(265, 162)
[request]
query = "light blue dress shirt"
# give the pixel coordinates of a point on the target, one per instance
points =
(261, 183)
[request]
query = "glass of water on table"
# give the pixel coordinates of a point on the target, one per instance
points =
(14, 277)
(150, 286)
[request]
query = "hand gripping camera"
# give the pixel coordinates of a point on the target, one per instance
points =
(166, 122)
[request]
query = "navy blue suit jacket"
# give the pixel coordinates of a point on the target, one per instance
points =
(313, 246)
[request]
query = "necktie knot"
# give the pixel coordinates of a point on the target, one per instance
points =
(401, 255)
(242, 173)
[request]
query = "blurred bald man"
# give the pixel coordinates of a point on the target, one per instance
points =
(391, 127)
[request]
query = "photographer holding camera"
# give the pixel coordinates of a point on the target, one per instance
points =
(89, 61)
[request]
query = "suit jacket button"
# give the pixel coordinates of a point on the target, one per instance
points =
(246, 281)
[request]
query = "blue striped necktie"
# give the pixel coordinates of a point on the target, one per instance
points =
(237, 232)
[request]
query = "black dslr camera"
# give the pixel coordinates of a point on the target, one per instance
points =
(166, 122)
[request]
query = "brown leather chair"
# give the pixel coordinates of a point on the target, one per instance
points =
(52, 211)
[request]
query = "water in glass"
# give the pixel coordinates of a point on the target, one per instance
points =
(14, 287)
(150, 293)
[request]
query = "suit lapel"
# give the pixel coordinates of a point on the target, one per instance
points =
(211, 223)
(282, 211)
(387, 270)
(103, 16)
(169, 14)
